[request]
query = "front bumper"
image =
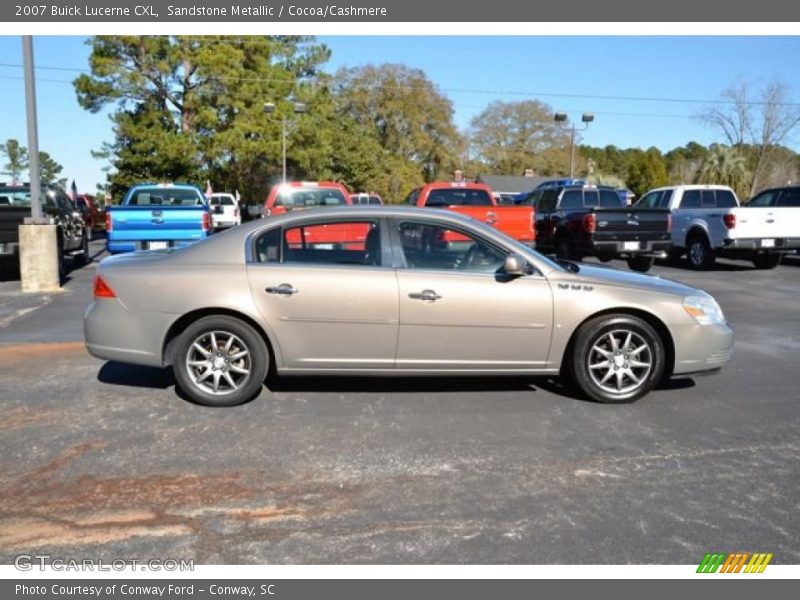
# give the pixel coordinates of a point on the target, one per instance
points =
(700, 348)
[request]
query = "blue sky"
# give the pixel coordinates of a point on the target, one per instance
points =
(471, 71)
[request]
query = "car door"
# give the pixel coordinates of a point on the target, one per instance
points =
(326, 295)
(458, 311)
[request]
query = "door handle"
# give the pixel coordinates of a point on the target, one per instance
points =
(285, 289)
(428, 295)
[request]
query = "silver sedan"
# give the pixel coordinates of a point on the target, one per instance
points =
(393, 291)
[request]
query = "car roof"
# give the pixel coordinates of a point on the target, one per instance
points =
(691, 186)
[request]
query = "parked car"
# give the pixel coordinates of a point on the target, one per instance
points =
(155, 216)
(579, 220)
(708, 222)
(224, 211)
(72, 233)
(365, 198)
(476, 200)
(289, 196)
(93, 216)
(401, 303)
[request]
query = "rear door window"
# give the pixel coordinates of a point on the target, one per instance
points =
(691, 199)
(725, 199)
(610, 199)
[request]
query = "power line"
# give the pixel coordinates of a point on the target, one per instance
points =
(495, 92)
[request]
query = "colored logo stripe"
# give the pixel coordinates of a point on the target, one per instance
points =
(734, 562)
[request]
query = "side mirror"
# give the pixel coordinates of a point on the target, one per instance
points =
(515, 265)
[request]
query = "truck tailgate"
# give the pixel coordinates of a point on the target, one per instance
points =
(766, 222)
(144, 223)
(642, 224)
(10, 219)
(515, 221)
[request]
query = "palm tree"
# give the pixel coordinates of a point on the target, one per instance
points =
(725, 166)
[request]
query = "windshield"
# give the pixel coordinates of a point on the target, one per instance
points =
(458, 197)
(304, 197)
(166, 196)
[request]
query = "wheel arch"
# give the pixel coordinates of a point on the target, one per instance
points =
(696, 229)
(180, 325)
(661, 329)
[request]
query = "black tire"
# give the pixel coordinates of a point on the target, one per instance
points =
(564, 249)
(698, 251)
(767, 261)
(62, 266)
(256, 362)
(595, 334)
(604, 258)
(83, 258)
(640, 263)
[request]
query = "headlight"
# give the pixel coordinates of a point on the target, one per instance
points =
(704, 310)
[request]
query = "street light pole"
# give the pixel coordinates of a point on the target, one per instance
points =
(561, 117)
(269, 108)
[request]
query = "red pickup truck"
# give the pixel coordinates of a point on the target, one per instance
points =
(297, 195)
(476, 200)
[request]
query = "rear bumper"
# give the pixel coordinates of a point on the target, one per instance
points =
(119, 246)
(654, 248)
(9, 248)
(701, 348)
(762, 244)
(113, 332)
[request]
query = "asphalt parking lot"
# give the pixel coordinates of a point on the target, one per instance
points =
(103, 460)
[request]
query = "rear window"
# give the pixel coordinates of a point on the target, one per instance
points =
(166, 196)
(12, 197)
(458, 197)
(572, 199)
(306, 197)
(790, 198)
(725, 199)
(610, 199)
(221, 200)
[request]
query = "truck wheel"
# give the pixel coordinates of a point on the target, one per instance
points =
(640, 263)
(699, 253)
(220, 361)
(674, 256)
(604, 258)
(767, 261)
(617, 358)
(62, 267)
(564, 249)
(83, 258)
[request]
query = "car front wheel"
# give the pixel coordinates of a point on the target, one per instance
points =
(617, 358)
(220, 361)
(766, 261)
(641, 264)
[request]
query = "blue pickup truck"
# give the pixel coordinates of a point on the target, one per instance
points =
(156, 216)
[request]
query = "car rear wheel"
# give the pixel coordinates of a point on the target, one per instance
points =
(220, 361)
(640, 263)
(564, 249)
(617, 358)
(699, 253)
(766, 261)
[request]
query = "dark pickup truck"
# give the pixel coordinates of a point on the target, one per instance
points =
(581, 220)
(15, 207)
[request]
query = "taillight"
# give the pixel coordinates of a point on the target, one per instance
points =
(102, 289)
(729, 220)
(589, 223)
(533, 222)
(235, 212)
(108, 221)
(669, 223)
(206, 221)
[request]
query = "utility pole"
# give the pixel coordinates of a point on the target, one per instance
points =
(38, 245)
(561, 117)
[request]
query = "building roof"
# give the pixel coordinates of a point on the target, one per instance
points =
(513, 184)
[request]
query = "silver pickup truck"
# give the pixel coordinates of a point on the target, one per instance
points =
(708, 222)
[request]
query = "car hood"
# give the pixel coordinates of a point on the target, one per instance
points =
(609, 276)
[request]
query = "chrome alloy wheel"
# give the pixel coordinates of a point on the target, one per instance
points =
(218, 362)
(697, 253)
(620, 361)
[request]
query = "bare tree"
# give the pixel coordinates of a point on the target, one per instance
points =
(755, 122)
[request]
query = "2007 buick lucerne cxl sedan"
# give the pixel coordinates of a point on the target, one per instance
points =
(393, 291)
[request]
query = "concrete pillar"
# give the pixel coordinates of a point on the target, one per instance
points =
(38, 258)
